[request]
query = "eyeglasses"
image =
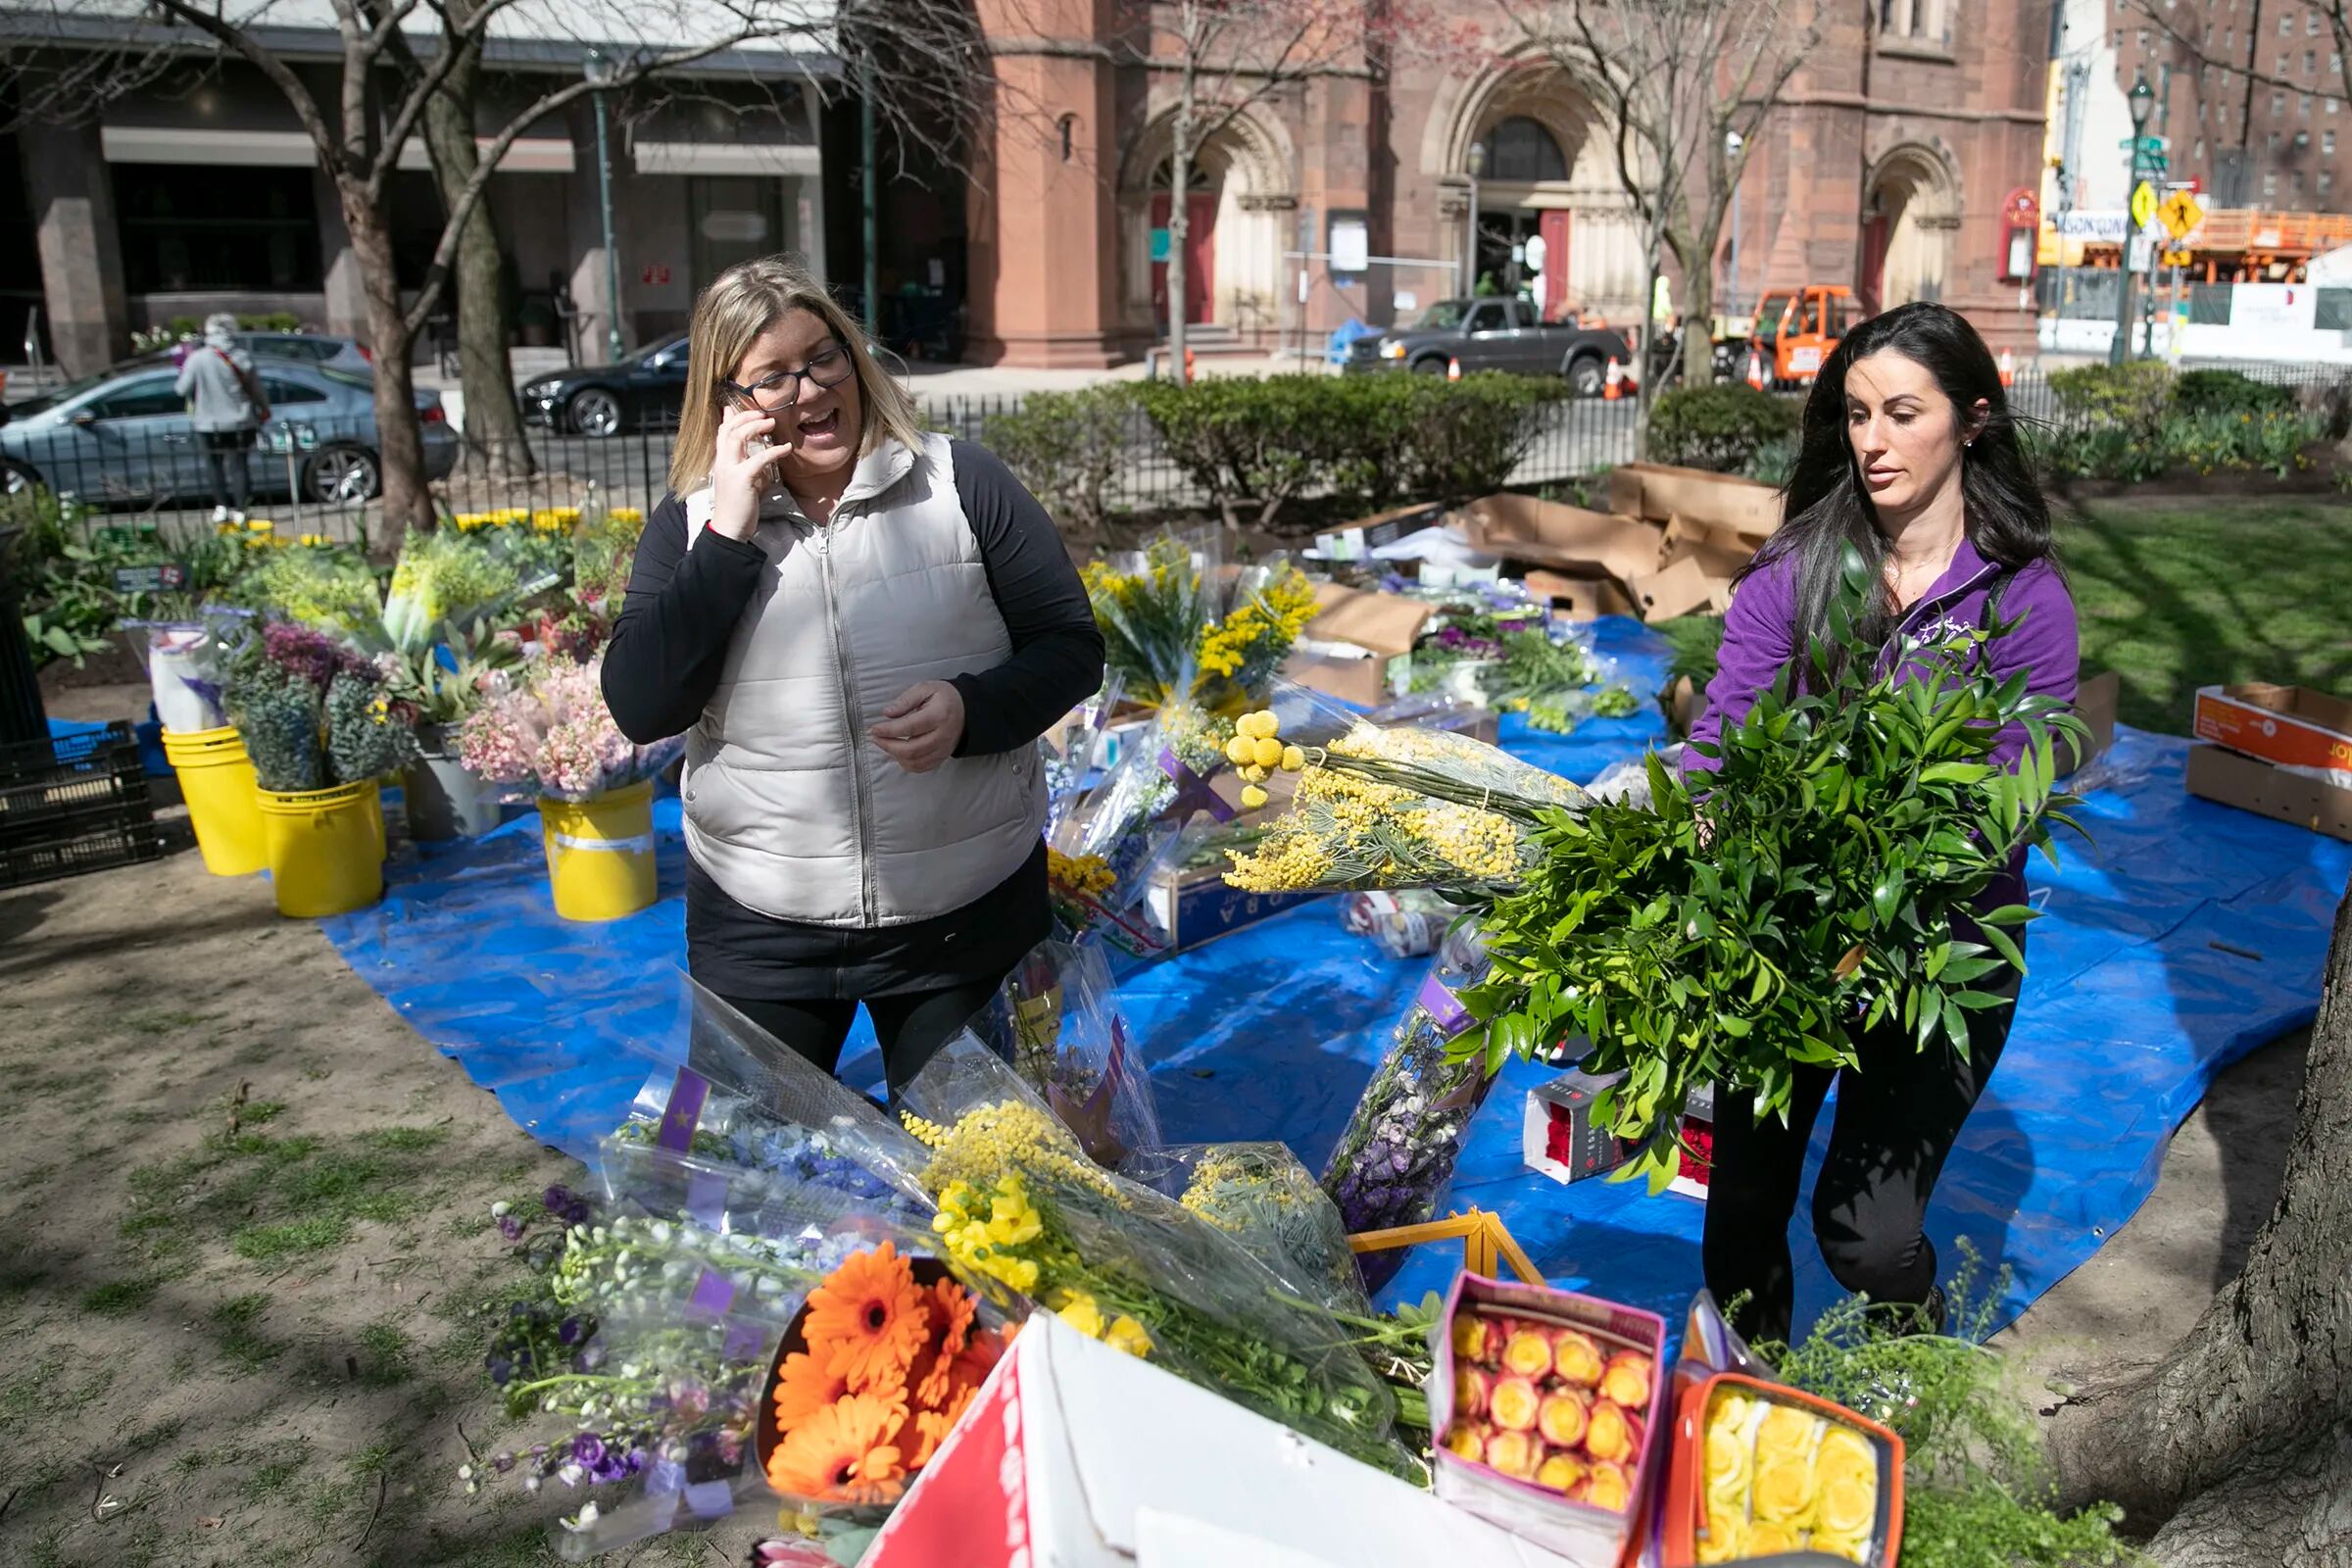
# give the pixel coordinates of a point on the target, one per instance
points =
(827, 369)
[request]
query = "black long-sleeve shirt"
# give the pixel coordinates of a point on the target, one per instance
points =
(664, 663)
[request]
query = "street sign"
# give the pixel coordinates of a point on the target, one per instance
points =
(2181, 258)
(2180, 212)
(2144, 144)
(2143, 204)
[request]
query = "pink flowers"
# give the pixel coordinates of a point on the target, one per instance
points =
(550, 733)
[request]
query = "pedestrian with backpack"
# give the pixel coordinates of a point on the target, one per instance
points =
(226, 406)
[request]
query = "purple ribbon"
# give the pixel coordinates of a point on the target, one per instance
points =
(1192, 793)
(1444, 1007)
(743, 1340)
(714, 1294)
(687, 1094)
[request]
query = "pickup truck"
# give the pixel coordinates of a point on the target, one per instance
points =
(1494, 334)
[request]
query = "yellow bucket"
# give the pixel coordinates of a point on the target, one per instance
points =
(600, 853)
(375, 814)
(324, 856)
(215, 780)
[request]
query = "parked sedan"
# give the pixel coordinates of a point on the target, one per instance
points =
(643, 392)
(124, 438)
(345, 353)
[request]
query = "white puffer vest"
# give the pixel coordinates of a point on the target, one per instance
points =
(790, 805)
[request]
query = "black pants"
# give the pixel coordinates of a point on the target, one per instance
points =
(224, 452)
(1897, 1119)
(911, 1027)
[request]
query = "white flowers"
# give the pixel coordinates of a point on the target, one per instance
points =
(500, 1209)
(585, 1520)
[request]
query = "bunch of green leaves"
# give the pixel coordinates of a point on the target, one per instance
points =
(279, 717)
(364, 738)
(450, 678)
(1764, 918)
(1975, 1489)
(443, 577)
(328, 587)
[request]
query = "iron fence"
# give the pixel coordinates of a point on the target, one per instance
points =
(163, 485)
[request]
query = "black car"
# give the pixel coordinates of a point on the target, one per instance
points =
(642, 392)
(1494, 334)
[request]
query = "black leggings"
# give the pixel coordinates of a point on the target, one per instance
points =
(1897, 1119)
(911, 1027)
(225, 450)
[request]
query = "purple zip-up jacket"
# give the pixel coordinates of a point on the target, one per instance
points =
(1759, 637)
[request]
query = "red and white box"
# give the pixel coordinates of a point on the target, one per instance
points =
(1076, 1455)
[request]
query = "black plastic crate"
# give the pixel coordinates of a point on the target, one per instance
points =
(71, 804)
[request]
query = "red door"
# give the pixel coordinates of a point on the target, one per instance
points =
(1200, 256)
(1872, 284)
(1555, 263)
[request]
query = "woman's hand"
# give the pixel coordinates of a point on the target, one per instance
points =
(740, 471)
(922, 728)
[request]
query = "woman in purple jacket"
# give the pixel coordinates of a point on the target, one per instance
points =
(1910, 456)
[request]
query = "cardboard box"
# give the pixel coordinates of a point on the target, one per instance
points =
(1682, 589)
(2095, 698)
(1559, 1137)
(1076, 1455)
(2253, 785)
(2292, 726)
(1570, 539)
(1359, 539)
(1684, 701)
(1360, 644)
(1590, 1537)
(1658, 491)
(1581, 598)
(1722, 552)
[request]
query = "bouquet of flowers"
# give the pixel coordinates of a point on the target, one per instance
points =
(601, 554)
(550, 733)
(313, 713)
(1260, 1195)
(1057, 1021)
(1177, 628)
(328, 588)
(1119, 832)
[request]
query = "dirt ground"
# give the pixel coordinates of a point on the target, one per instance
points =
(246, 1249)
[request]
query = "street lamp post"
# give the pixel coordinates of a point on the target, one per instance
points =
(1733, 142)
(1478, 164)
(2141, 100)
(598, 70)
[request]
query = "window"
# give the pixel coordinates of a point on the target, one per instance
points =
(2310, 24)
(2311, 62)
(2277, 101)
(2333, 105)
(2200, 149)
(2328, 142)
(2143, 40)
(282, 390)
(2201, 106)
(2270, 183)
(258, 232)
(2286, 26)
(140, 399)
(1522, 150)
(2270, 144)
(2284, 59)
(2298, 179)
(2326, 180)
(1488, 317)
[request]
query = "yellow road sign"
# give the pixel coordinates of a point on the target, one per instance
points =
(2179, 259)
(2180, 214)
(2143, 204)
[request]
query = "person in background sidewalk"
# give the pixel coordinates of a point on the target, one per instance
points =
(226, 406)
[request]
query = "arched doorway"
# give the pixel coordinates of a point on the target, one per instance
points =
(1908, 221)
(1239, 192)
(1554, 221)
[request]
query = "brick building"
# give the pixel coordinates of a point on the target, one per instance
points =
(1907, 153)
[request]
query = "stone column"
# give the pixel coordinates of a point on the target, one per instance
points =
(73, 200)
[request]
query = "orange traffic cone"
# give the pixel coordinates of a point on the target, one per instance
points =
(1755, 366)
(1453, 370)
(1188, 368)
(1612, 385)
(2008, 369)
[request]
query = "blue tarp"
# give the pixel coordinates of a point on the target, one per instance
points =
(1271, 1032)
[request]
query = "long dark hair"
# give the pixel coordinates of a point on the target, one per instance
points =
(1826, 509)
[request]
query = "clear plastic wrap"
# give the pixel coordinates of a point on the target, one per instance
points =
(1151, 605)
(1131, 1265)
(1394, 1159)
(1263, 1198)
(1057, 1021)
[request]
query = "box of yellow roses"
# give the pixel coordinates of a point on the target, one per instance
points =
(1758, 1470)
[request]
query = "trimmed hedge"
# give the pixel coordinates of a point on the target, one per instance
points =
(1728, 427)
(1067, 446)
(2229, 392)
(2132, 398)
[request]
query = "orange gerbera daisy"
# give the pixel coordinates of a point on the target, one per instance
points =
(868, 1318)
(931, 1427)
(842, 1453)
(951, 1311)
(804, 1386)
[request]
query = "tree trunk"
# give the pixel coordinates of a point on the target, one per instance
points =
(494, 444)
(1698, 308)
(1180, 227)
(2236, 1448)
(400, 439)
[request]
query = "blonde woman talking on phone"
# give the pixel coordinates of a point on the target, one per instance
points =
(862, 629)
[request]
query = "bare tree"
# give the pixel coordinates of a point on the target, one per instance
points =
(1227, 56)
(1677, 80)
(2240, 67)
(397, 58)
(2234, 1445)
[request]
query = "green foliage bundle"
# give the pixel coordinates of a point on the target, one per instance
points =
(1975, 1489)
(443, 576)
(327, 587)
(312, 713)
(1747, 923)
(1067, 447)
(1726, 427)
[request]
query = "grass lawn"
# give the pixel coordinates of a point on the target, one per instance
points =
(2177, 595)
